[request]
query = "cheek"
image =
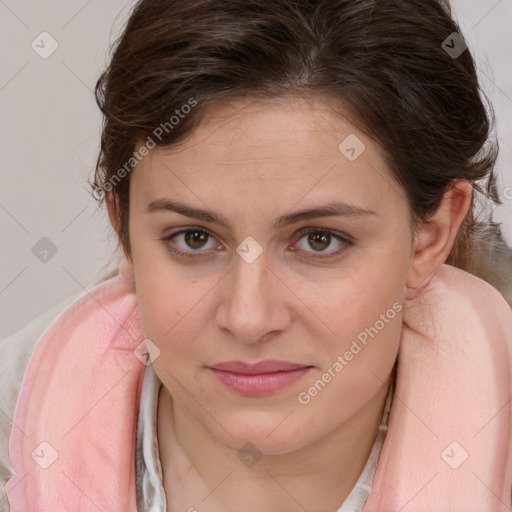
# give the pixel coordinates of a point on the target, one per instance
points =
(367, 321)
(173, 313)
(159, 290)
(349, 305)
(363, 314)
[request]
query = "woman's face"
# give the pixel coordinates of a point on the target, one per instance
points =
(260, 287)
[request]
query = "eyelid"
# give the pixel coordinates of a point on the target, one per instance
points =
(342, 236)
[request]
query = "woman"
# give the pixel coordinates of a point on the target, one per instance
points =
(239, 361)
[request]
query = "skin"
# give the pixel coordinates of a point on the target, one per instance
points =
(252, 161)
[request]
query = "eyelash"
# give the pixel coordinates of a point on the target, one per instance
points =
(304, 231)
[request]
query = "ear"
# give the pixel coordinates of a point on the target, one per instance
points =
(436, 236)
(126, 265)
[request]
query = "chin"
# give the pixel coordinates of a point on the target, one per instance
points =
(270, 437)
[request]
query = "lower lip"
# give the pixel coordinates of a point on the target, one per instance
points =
(261, 384)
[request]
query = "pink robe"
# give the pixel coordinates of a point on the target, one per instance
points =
(449, 441)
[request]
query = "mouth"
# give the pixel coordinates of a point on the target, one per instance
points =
(258, 379)
(263, 367)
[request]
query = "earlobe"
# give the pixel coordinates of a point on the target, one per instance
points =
(126, 269)
(125, 266)
(112, 211)
(435, 237)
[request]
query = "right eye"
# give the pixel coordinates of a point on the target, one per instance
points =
(193, 238)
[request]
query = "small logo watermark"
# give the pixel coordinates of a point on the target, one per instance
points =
(249, 455)
(44, 455)
(44, 45)
(44, 250)
(249, 250)
(352, 147)
(454, 45)
(454, 455)
(144, 349)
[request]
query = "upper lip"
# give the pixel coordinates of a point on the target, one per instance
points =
(268, 366)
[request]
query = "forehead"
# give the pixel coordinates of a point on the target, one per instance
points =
(296, 148)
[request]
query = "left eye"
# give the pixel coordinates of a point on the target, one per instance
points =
(319, 239)
(196, 239)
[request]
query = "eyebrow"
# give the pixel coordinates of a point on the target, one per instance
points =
(331, 209)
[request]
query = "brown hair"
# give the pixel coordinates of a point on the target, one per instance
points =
(389, 62)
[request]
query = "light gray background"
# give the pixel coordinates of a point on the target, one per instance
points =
(50, 131)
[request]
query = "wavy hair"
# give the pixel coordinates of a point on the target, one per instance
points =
(389, 62)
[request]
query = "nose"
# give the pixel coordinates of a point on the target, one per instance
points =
(254, 307)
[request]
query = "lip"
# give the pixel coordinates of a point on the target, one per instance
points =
(258, 379)
(268, 366)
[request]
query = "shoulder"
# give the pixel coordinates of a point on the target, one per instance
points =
(15, 353)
